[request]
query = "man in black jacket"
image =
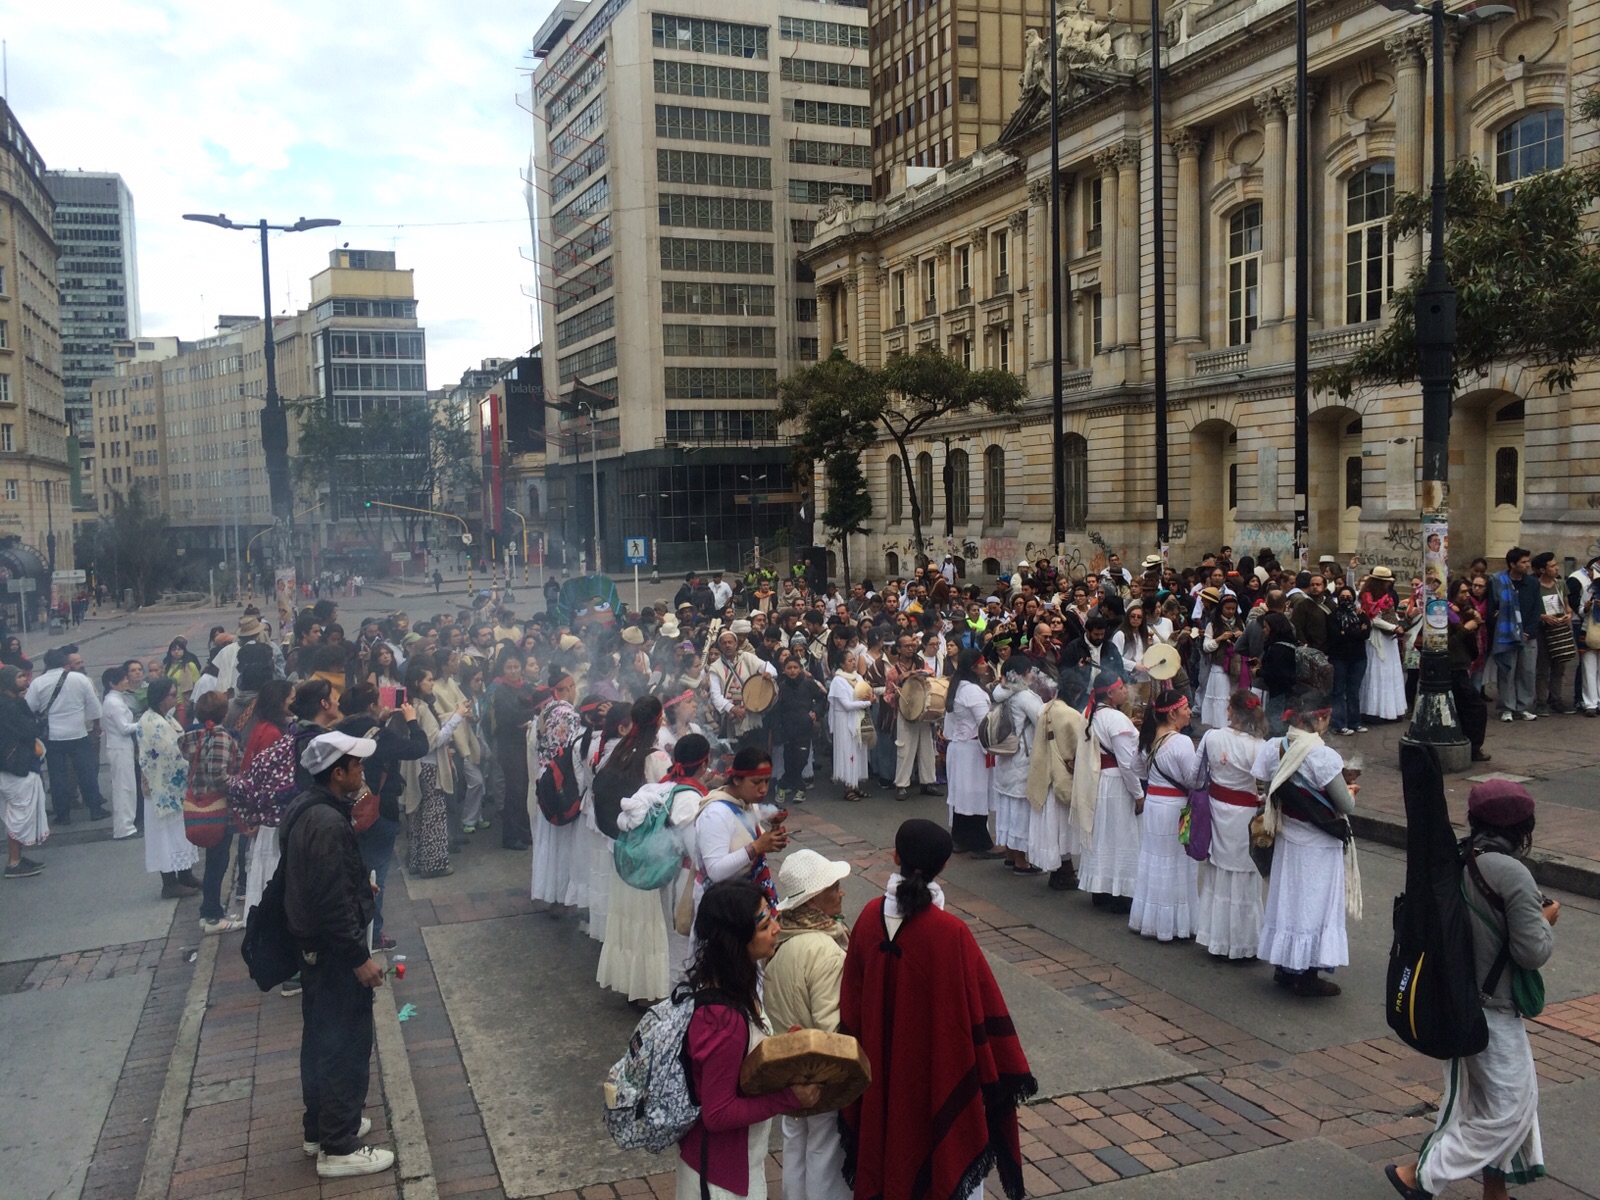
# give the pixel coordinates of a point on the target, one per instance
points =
(399, 739)
(328, 902)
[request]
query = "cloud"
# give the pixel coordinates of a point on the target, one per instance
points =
(399, 118)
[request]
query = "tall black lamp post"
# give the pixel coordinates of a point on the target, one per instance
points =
(1058, 486)
(1158, 171)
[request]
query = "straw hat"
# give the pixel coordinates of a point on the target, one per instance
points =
(1210, 595)
(805, 875)
(249, 626)
(1382, 573)
(669, 629)
(1152, 561)
(568, 642)
(633, 635)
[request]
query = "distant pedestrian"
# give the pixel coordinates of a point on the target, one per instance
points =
(328, 902)
(21, 789)
(117, 712)
(438, 581)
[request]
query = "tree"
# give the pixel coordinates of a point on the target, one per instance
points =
(849, 504)
(132, 547)
(1526, 273)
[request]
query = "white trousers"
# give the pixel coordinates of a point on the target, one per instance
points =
(124, 786)
(913, 747)
(1589, 677)
(813, 1159)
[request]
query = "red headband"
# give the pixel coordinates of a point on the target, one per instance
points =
(764, 771)
(1252, 701)
(686, 694)
(1178, 703)
(686, 769)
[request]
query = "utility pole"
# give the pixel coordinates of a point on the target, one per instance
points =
(1058, 483)
(1159, 231)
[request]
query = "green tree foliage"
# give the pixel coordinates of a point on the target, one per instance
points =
(129, 547)
(1525, 270)
(849, 504)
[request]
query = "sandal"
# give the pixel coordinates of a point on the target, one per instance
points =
(1392, 1173)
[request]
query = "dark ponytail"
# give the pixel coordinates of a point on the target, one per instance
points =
(912, 893)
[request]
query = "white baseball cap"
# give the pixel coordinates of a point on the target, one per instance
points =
(328, 748)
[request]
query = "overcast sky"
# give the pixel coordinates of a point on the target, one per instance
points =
(396, 117)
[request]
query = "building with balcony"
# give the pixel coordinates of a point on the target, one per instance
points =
(686, 154)
(961, 262)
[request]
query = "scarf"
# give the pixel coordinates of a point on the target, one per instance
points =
(806, 919)
(162, 765)
(891, 902)
(1298, 744)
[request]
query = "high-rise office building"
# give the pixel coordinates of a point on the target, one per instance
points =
(98, 268)
(682, 157)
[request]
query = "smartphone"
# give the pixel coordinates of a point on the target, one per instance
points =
(391, 697)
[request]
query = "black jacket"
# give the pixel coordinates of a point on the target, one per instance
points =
(327, 896)
(1347, 634)
(18, 736)
(796, 701)
(397, 743)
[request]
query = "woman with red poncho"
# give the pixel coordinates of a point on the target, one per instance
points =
(920, 997)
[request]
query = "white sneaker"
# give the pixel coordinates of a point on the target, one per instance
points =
(368, 1160)
(1507, 717)
(220, 925)
(1528, 716)
(312, 1149)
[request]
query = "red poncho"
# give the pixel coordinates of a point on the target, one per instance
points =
(947, 1068)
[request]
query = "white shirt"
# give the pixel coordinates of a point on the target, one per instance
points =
(204, 685)
(74, 708)
(968, 707)
(1230, 758)
(117, 716)
(721, 593)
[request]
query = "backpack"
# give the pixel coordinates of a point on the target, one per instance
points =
(1432, 1001)
(268, 949)
(610, 790)
(650, 856)
(259, 794)
(649, 1092)
(996, 733)
(560, 801)
(1312, 668)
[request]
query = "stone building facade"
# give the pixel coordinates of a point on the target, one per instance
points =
(961, 262)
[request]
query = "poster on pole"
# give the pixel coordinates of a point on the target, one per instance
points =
(1435, 555)
(283, 588)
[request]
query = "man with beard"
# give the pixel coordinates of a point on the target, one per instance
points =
(727, 676)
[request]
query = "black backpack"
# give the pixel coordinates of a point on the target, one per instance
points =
(268, 949)
(557, 792)
(610, 790)
(1432, 1001)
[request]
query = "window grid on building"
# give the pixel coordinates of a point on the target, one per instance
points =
(897, 489)
(706, 254)
(713, 125)
(827, 74)
(1075, 479)
(584, 244)
(577, 135)
(801, 232)
(575, 215)
(721, 425)
(827, 112)
(602, 356)
(587, 323)
(698, 36)
(721, 383)
(718, 299)
(822, 33)
(1244, 274)
(715, 212)
(818, 191)
(575, 290)
(375, 344)
(575, 172)
(575, 92)
(711, 83)
(960, 487)
(713, 170)
(1529, 145)
(1369, 254)
(925, 483)
(994, 486)
(829, 154)
(719, 341)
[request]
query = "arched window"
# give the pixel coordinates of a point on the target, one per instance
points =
(991, 566)
(960, 487)
(1534, 143)
(1352, 481)
(1244, 274)
(533, 503)
(897, 490)
(1075, 469)
(891, 564)
(1506, 471)
(994, 486)
(1369, 255)
(924, 483)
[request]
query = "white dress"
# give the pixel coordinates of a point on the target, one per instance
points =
(24, 801)
(1165, 902)
(969, 792)
(636, 955)
(1013, 815)
(1111, 862)
(561, 853)
(1214, 701)
(844, 722)
(1383, 688)
(1229, 923)
(1303, 926)
(584, 765)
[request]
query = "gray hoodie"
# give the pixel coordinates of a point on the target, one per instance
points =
(1532, 939)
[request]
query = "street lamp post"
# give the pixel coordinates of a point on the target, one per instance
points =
(274, 420)
(1058, 485)
(1434, 721)
(1302, 296)
(1158, 169)
(572, 404)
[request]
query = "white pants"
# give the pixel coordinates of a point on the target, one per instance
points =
(1589, 678)
(124, 786)
(1489, 1113)
(913, 747)
(813, 1159)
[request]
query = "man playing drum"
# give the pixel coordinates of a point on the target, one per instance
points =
(727, 676)
(913, 741)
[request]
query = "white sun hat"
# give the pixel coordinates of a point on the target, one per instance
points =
(805, 875)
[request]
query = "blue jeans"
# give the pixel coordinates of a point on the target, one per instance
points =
(211, 882)
(1347, 677)
(377, 851)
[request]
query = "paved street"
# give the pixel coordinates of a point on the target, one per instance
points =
(138, 1072)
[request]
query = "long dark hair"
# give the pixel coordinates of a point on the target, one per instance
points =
(1155, 720)
(723, 926)
(924, 848)
(966, 669)
(1519, 835)
(627, 760)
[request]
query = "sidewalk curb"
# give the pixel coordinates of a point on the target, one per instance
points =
(166, 1126)
(413, 1160)
(1549, 868)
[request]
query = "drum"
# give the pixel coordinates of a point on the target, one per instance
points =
(759, 693)
(914, 697)
(938, 697)
(836, 1061)
(863, 690)
(1160, 661)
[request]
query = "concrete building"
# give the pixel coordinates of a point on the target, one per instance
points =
(685, 154)
(99, 276)
(961, 262)
(35, 500)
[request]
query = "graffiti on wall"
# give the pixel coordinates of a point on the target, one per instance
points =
(1276, 534)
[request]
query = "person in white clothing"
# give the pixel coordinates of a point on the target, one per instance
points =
(1013, 814)
(1583, 597)
(1053, 841)
(1227, 667)
(165, 773)
(117, 717)
(1164, 898)
(1110, 865)
(971, 796)
(844, 722)
(1229, 924)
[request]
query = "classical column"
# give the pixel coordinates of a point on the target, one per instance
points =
(824, 321)
(1273, 208)
(1023, 277)
(1187, 145)
(852, 300)
(1292, 131)
(1410, 150)
(1128, 243)
(1107, 161)
(1039, 293)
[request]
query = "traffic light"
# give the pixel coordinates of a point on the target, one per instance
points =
(369, 503)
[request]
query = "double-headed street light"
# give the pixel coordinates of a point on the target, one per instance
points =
(274, 420)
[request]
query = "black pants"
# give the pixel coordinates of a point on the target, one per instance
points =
(80, 757)
(971, 833)
(796, 752)
(211, 908)
(1470, 708)
(335, 1054)
(514, 815)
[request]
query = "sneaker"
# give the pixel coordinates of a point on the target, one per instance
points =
(312, 1149)
(902, 794)
(468, 828)
(368, 1160)
(483, 824)
(1528, 716)
(23, 869)
(1507, 717)
(1361, 728)
(384, 942)
(799, 797)
(220, 925)
(1347, 732)
(1313, 985)
(289, 987)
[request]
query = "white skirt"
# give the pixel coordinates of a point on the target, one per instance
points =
(1052, 837)
(1165, 902)
(686, 1181)
(969, 780)
(165, 846)
(849, 751)
(1214, 701)
(1111, 862)
(1489, 1113)
(634, 957)
(263, 862)
(1229, 920)
(1383, 688)
(561, 859)
(1302, 927)
(24, 800)
(1013, 818)
(600, 876)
